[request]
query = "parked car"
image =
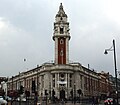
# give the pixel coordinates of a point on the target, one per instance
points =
(8, 98)
(108, 101)
(2, 101)
(38, 103)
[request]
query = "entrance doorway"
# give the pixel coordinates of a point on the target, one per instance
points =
(62, 94)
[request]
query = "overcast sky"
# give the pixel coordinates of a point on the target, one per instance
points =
(26, 30)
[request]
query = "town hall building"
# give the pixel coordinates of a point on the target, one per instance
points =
(61, 78)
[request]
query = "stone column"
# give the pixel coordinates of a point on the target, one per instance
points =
(56, 83)
(68, 82)
(55, 80)
(66, 79)
(67, 50)
(50, 85)
(58, 79)
(58, 87)
(56, 50)
(67, 86)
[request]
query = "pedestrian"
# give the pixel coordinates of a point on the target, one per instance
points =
(109, 103)
(96, 100)
(93, 100)
(62, 101)
(114, 102)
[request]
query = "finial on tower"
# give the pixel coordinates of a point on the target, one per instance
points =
(61, 7)
(61, 12)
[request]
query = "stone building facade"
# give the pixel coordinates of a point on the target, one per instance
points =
(61, 76)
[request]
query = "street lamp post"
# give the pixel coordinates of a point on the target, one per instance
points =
(106, 52)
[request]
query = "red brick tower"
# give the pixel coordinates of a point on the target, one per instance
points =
(61, 37)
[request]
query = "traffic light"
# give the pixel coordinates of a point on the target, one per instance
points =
(33, 87)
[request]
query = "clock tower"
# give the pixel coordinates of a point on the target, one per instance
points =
(61, 36)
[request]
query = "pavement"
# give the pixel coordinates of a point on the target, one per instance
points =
(70, 103)
(74, 104)
(60, 103)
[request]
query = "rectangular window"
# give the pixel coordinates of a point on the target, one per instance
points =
(53, 83)
(53, 76)
(70, 76)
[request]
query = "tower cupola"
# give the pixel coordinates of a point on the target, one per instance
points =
(61, 12)
(61, 16)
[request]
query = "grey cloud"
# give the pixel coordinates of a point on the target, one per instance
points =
(30, 31)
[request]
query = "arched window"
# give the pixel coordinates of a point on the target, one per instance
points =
(61, 52)
(61, 30)
(62, 76)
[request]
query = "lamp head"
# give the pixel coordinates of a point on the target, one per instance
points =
(105, 52)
